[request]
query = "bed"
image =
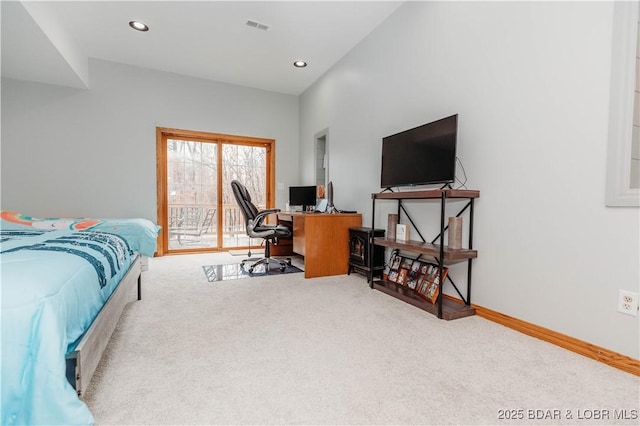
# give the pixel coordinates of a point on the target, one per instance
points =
(65, 283)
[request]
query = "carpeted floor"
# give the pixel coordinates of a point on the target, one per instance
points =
(290, 350)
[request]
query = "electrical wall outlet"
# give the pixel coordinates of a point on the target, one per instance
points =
(628, 302)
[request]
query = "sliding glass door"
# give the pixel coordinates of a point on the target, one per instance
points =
(246, 164)
(192, 194)
(196, 207)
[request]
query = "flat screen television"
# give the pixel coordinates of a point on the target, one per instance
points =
(304, 196)
(422, 155)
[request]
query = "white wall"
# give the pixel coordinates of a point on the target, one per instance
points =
(70, 152)
(530, 82)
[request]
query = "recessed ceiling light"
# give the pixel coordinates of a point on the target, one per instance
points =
(140, 26)
(299, 64)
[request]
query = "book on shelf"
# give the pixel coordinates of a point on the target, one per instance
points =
(402, 232)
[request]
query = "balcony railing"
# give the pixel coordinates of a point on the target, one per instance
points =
(196, 226)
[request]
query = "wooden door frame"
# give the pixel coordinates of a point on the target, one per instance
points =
(164, 133)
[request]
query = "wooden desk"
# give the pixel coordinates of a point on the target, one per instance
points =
(323, 240)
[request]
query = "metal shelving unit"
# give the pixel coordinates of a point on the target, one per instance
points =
(444, 308)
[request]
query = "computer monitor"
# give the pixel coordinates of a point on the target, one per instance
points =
(304, 196)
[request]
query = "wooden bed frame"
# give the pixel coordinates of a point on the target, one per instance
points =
(83, 361)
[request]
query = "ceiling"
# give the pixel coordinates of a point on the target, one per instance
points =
(52, 41)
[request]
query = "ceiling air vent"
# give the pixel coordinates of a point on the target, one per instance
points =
(257, 25)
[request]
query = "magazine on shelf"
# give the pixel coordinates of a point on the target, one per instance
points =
(392, 266)
(422, 277)
(412, 282)
(424, 268)
(423, 285)
(406, 263)
(415, 268)
(403, 274)
(432, 292)
(395, 262)
(430, 283)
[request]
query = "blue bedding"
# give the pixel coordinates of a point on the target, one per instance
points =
(141, 233)
(54, 283)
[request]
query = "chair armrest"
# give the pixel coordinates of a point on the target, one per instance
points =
(257, 221)
(262, 214)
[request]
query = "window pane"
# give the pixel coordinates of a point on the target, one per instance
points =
(192, 186)
(246, 164)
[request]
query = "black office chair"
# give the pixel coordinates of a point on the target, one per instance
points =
(257, 229)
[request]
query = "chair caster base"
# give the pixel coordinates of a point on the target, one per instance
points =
(266, 264)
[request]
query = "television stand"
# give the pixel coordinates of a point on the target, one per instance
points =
(436, 249)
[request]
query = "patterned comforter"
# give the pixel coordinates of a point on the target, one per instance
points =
(54, 283)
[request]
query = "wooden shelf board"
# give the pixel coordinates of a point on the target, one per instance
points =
(450, 309)
(427, 194)
(366, 268)
(427, 248)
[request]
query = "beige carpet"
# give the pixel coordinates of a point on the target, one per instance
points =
(289, 350)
